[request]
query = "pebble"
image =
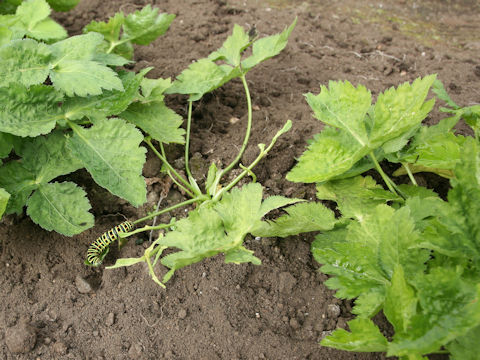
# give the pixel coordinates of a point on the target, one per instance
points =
(333, 311)
(135, 351)
(83, 286)
(110, 319)
(182, 314)
(20, 338)
(60, 348)
(294, 324)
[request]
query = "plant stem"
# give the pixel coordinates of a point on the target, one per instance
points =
(187, 138)
(173, 207)
(173, 178)
(147, 228)
(386, 179)
(170, 168)
(249, 126)
(410, 175)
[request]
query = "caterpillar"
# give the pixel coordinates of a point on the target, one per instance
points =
(99, 248)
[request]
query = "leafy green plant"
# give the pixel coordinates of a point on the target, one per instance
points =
(224, 215)
(403, 251)
(60, 98)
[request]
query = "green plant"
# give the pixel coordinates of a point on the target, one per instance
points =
(403, 251)
(224, 215)
(59, 100)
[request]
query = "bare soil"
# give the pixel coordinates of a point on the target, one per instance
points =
(54, 307)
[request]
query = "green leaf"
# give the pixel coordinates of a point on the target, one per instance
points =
(331, 154)
(62, 207)
(364, 336)
(4, 196)
(63, 5)
(343, 106)
(6, 143)
(5, 34)
(301, 218)
(450, 309)
(29, 112)
(144, 26)
(110, 30)
(355, 197)
(268, 47)
(47, 30)
(201, 77)
(111, 153)
(232, 48)
(153, 89)
(82, 78)
(19, 182)
(157, 120)
(109, 103)
(465, 347)
(442, 94)
(241, 255)
(400, 302)
(48, 157)
(25, 62)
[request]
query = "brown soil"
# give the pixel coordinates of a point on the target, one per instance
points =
(54, 307)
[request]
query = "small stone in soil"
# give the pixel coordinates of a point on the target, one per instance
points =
(60, 348)
(20, 338)
(333, 311)
(182, 314)
(83, 286)
(110, 319)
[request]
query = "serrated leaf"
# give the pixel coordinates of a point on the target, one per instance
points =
(62, 207)
(450, 308)
(401, 302)
(29, 112)
(465, 347)
(331, 154)
(4, 196)
(144, 26)
(157, 120)
(110, 59)
(232, 48)
(6, 143)
(268, 47)
(32, 12)
(79, 47)
(110, 30)
(355, 197)
(47, 30)
(109, 103)
(19, 182)
(364, 336)
(153, 89)
(63, 5)
(301, 218)
(201, 77)
(25, 62)
(442, 94)
(111, 153)
(241, 255)
(48, 157)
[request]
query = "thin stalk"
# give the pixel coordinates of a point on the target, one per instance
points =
(163, 211)
(410, 175)
(385, 177)
(147, 228)
(183, 188)
(249, 126)
(187, 139)
(169, 167)
(114, 44)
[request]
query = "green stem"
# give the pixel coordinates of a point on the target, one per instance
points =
(187, 139)
(176, 206)
(169, 167)
(249, 126)
(410, 175)
(183, 188)
(114, 44)
(147, 228)
(385, 177)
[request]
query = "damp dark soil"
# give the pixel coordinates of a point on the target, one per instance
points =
(54, 307)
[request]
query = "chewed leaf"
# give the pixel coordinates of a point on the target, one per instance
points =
(29, 112)
(111, 153)
(364, 336)
(300, 218)
(268, 47)
(62, 207)
(144, 26)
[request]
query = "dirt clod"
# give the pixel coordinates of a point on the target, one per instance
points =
(20, 338)
(83, 286)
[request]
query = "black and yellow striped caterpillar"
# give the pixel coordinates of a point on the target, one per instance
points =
(99, 248)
